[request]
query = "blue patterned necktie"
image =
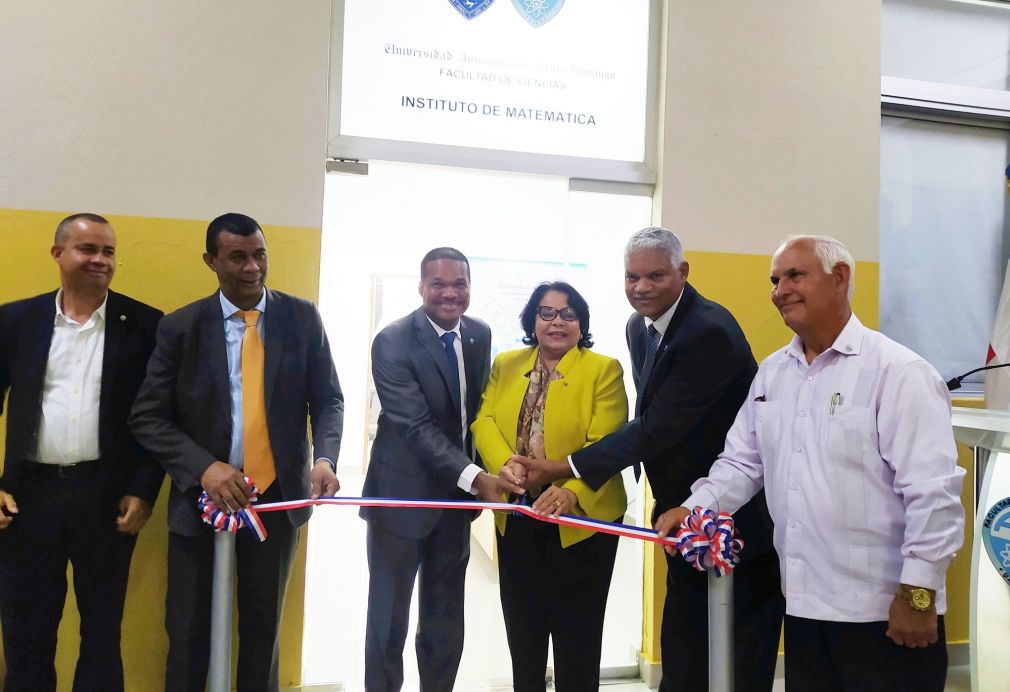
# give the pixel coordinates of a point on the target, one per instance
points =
(450, 354)
(652, 348)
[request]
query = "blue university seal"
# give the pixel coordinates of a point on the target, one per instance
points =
(996, 536)
(471, 8)
(538, 12)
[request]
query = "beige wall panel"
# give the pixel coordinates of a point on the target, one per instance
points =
(180, 109)
(772, 119)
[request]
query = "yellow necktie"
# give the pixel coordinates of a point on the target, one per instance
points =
(258, 459)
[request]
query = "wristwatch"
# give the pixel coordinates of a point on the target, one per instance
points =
(918, 598)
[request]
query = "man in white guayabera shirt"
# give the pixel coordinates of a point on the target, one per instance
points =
(849, 434)
(76, 486)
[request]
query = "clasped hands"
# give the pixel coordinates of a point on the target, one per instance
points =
(531, 473)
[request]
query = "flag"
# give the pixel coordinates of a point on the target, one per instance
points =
(997, 382)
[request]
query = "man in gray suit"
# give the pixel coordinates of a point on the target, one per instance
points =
(223, 368)
(429, 369)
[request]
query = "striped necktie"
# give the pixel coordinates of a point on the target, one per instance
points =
(652, 349)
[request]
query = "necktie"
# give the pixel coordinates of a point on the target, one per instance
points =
(652, 348)
(257, 458)
(448, 340)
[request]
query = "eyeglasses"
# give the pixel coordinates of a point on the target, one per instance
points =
(547, 313)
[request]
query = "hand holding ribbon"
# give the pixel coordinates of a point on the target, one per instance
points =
(223, 520)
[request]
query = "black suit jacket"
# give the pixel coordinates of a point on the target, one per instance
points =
(698, 383)
(26, 333)
(419, 450)
(183, 411)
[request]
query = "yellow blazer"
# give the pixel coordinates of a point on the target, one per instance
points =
(587, 403)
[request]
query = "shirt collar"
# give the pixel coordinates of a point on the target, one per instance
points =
(850, 339)
(440, 331)
(228, 309)
(97, 316)
(848, 342)
(663, 322)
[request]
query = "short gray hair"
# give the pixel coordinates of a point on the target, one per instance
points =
(830, 251)
(656, 238)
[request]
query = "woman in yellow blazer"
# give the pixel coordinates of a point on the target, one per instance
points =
(550, 400)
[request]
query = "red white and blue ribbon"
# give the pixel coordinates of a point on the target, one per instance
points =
(223, 521)
(708, 541)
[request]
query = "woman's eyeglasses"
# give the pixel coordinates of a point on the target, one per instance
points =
(547, 313)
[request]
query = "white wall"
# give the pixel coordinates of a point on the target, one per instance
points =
(772, 123)
(179, 109)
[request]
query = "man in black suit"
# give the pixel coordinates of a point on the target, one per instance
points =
(201, 386)
(76, 486)
(429, 369)
(692, 367)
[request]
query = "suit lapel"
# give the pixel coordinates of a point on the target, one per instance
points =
(636, 344)
(39, 333)
(276, 325)
(212, 325)
(433, 345)
(116, 324)
(686, 303)
(473, 365)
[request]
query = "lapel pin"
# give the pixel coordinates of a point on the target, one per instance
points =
(471, 341)
(122, 318)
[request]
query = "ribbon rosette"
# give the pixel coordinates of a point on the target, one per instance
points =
(223, 521)
(709, 541)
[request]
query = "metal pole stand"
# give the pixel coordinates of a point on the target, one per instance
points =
(219, 677)
(720, 632)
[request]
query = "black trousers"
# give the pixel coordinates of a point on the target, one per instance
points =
(262, 570)
(65, 514)
(438, 561)
(858, 657)
(550, 591)
(758, 606)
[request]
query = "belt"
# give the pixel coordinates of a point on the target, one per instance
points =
(75, 470)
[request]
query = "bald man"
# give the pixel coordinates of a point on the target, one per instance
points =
(75, 486)
(849, 435)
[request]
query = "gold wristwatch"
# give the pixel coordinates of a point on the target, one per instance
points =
(918, 598)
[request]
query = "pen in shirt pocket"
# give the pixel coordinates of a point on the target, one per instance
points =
(836, 400)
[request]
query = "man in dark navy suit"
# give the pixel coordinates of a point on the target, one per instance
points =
(692, 367)
(76, 486)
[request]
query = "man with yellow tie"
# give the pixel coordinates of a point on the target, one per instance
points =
(228, 388)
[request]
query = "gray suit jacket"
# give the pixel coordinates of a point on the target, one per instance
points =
(419, 449)
(182, 414)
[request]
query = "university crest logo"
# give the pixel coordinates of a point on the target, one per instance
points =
(996, 536)
(471, 8)
(538, 12)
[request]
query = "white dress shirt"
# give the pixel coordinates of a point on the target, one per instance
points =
(465, 481)
(68, 429)
(857, 458)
